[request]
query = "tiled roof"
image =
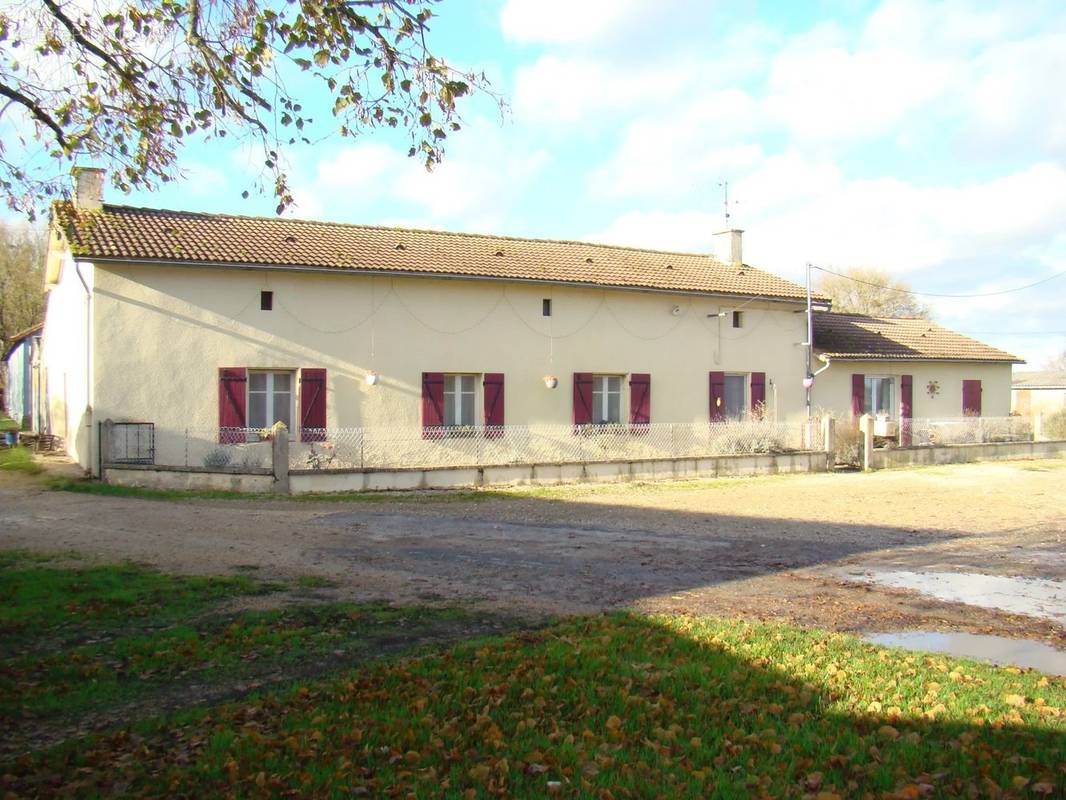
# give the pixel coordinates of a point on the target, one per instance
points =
(859, 337)
(1046, 379)
(142, 234)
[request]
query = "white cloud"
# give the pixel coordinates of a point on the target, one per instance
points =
(569, 22)
(480, 179)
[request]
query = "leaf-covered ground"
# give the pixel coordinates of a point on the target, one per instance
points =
(613, 706)
(84, 646)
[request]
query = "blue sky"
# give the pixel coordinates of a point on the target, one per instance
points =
(924, 138)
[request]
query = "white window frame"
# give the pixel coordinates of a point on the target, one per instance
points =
(270, 392)
(745, 400)
(868, 380)
(453, 387)
(601, 386)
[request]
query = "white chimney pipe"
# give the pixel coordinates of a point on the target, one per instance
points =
(728, 247)
(88, 188)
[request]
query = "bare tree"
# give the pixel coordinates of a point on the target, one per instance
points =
(865, 290)
(22, 257)
(1056, 363)
(125, 83)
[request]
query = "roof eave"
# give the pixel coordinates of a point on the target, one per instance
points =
(87, 258)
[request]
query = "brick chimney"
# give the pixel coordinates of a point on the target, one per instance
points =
(728, 247)
(88, 188)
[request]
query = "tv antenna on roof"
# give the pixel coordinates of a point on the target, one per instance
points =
(725, 201)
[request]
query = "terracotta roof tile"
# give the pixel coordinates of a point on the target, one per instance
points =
(141, 234)
(859, 337)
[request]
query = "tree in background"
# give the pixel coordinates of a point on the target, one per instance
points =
(865, 290)
(123, 83)
(22, 258)
(1056, 363)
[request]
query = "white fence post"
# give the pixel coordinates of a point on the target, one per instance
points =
(279, 456)
(866, 426)
(829, 441)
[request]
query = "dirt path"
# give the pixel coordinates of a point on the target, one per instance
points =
(763, 547)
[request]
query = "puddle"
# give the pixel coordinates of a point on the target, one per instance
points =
(1036, 597)
(997, 649)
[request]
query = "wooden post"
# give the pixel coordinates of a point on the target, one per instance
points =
(279, 456)
(866, 426)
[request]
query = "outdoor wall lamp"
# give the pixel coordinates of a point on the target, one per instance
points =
(372, 378)
(551, 381)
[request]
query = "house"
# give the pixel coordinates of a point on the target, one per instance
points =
(906, 368)
(1038, 392)
(23, 398)
(197, 322)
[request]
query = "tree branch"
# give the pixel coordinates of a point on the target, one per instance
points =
(36, 111)
(89, 45)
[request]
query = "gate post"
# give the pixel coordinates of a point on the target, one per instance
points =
(103, 444)
(279, 457)
(829, 441)
(866, 426)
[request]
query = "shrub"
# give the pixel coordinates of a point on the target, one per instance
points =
(848, 444)
(1055, 425)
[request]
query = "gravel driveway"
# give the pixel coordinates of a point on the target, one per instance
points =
(771, 547)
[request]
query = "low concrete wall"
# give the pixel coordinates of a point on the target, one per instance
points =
(227, 479)
(963, 453)
(308, 481)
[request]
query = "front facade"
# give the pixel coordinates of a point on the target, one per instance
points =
(214, 327)
(562, 333)
(906, 368)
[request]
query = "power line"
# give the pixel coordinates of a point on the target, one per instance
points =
(935, 294)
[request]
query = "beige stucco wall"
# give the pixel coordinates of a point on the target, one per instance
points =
(1035, 401)
(163, 332)
(832, 389)
(66, 359)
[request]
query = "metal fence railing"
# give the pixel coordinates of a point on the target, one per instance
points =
(212, 448)
(348, 448)
(969, 430)
(131, 443)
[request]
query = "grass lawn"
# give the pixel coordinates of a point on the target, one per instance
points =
(600, 707)
(19, 459)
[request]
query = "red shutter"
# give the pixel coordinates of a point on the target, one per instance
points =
(312, 405)
(858, 395)
(232, 399)
(906, 409)
(639, 398)
(582, 398)
(717, 396)
(493, 404)
(758, 395)
(971, 398)
(432, 403)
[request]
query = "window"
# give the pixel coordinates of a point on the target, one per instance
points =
(879, 395)
(266, 301)
(606, 399)
(459, 394)
(738, 319)
(735, 391)
(269, 399)
(546, 307)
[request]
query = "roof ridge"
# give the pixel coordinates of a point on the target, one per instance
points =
(118, 207)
